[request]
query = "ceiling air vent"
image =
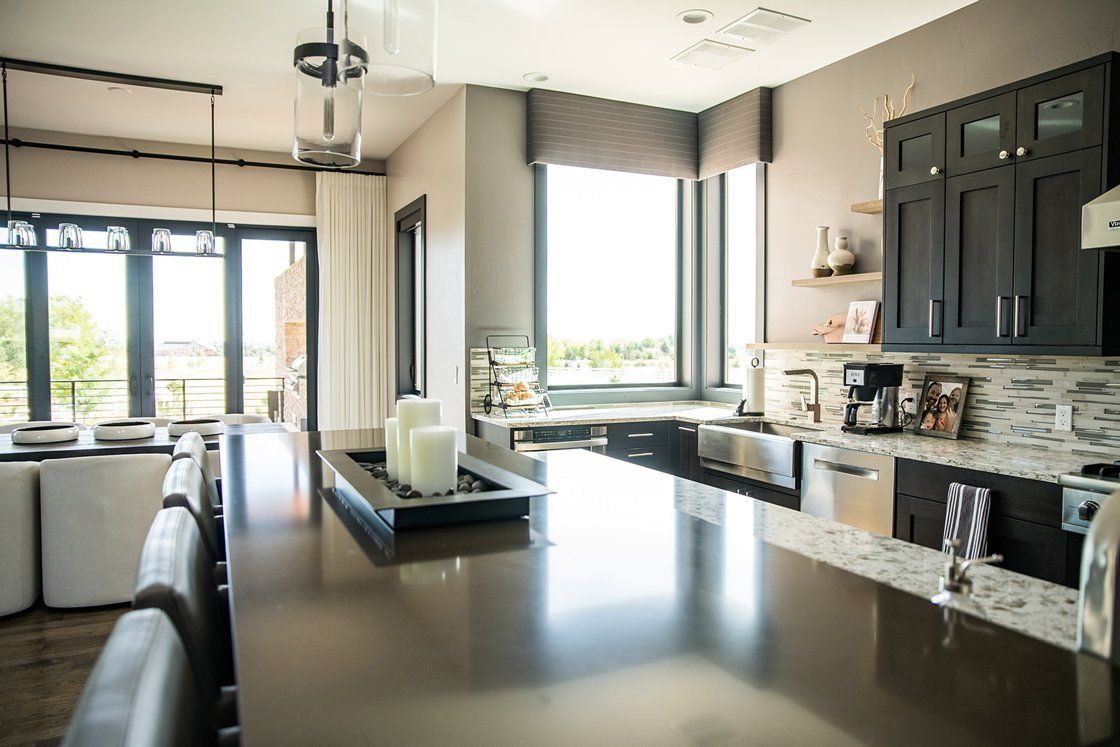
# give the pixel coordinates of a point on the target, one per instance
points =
(762, 26)
(711, 54)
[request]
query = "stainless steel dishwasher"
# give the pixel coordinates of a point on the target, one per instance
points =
(851, 487)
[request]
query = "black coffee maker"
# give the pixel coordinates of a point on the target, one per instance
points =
(875, 386)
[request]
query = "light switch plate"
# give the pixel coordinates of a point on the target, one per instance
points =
(1063, 418)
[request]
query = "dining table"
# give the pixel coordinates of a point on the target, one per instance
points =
(627, 607)
(86, 445)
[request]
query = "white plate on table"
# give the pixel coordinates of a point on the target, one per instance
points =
(123, 430)
(45, 434)
(201, 426)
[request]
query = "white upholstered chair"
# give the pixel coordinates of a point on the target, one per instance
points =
(19, 536)
(96, 512)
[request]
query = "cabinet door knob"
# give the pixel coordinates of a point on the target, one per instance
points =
(1021, 151)
(1004, 155)
(935, 170)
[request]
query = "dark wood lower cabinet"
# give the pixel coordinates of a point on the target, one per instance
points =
(751, 489)
(654, 457)
(685, 445)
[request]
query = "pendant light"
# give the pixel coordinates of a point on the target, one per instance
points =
(204, 240)
(403, 63)
(330, 74)
(20, 232)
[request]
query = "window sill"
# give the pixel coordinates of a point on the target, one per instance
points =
(620, 395)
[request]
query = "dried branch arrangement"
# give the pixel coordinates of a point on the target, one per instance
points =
(874, 129)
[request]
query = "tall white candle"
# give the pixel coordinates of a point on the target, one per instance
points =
(392, 466)
(412, 413)
(435, 462)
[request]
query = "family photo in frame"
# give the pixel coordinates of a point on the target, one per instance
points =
(941, 405)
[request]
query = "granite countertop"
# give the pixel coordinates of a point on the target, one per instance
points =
(1014, 460)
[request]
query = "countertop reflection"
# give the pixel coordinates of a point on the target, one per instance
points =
(610, 616)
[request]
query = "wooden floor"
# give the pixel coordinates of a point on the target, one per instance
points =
(45, 657)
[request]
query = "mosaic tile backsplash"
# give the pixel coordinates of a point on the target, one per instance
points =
(1011, 399)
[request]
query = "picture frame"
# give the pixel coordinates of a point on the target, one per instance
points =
(941, 405)
(859, 325)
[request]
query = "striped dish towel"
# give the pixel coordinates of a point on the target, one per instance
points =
(966, 519)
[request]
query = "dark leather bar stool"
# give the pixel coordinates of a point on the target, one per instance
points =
(143, 691)
(185, 487)
(175, 576)
(191, 446)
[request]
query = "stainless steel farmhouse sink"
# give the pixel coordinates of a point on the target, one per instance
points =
(767, 452)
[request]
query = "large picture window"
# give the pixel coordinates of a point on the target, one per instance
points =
(613, 264)
(743, 279)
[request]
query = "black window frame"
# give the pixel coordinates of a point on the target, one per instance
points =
(412, 375)
(724, 258)
(140, 343)
(680, 387)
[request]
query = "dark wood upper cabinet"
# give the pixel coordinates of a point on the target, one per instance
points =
(979, 252)
(1056, 283)
(915, 152)
(914, 263)
(982, 238)
(980, 135)
(1061, 115)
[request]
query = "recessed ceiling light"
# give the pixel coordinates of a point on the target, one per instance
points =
(120, 90)
(535, 77)
(694, 16)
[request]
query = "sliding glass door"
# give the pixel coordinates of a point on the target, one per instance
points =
(91, 336)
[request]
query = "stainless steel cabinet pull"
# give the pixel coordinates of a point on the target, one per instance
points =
(999, 316)
(1004, 155)
(932, 316)
(744, 491)
(686, 430)
(847, 469)
(1022, 151)
(1018, 314)
(639, 454)
(639, 435)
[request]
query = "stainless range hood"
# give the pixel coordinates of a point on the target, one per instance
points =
(1100, 221)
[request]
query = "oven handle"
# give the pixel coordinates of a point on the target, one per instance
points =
(589, 443)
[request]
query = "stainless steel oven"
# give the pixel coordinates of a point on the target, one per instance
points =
(1082, 497)
(555, 437)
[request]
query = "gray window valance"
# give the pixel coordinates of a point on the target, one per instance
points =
(737, 132)
(567, 129)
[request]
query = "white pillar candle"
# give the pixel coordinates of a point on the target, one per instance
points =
(435, 462)
(412, 413)
(391, 463)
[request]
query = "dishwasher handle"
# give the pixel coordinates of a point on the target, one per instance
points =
(865, 472)
(588, 443)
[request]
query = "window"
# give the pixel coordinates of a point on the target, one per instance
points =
(111, 335)
(13, 339)
(613, 261)
(412, 325)
(743, 277)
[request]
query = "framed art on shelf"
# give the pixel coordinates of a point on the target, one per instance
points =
(941, 405)
(860, 324)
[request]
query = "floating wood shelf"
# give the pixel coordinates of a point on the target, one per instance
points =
(858, 277)
(838, 347)
(871, 207)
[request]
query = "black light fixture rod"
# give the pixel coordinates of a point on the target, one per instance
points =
(177, 157)
(7, 155)
(103, 76)
(213, 179)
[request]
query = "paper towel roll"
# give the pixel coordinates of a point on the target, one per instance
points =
(754, 391)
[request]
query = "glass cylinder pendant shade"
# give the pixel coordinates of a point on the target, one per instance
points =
(402, 49)
(330, 71)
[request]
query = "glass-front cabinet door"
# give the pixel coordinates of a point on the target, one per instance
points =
(914, 152)
(1061, 115)
(980, 135)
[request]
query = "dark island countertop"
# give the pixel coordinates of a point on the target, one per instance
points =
(613, 616)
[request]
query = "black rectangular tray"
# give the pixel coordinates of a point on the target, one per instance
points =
(371, 501)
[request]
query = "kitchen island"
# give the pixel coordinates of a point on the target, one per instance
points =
(632, 607)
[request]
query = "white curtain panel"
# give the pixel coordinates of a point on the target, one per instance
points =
(352, 221)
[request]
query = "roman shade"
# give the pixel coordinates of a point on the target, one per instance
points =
(565, 129)
(736, 133)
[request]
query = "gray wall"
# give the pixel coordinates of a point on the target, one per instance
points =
(499, 216)
(432, 162)
(822, 163)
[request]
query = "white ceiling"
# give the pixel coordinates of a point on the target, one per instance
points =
(618, 49)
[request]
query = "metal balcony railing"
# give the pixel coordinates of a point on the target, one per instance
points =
(92, 400)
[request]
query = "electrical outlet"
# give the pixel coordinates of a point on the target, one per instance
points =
(1063, 418)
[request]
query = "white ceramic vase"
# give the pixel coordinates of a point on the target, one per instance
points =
(819, 265)
(841, 261)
